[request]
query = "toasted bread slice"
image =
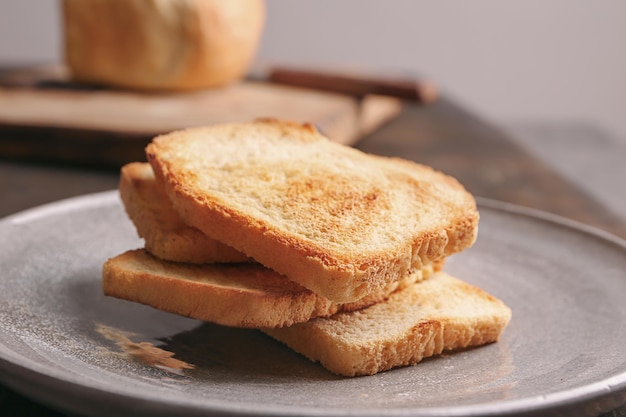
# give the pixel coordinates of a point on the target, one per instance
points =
(238, 295)
(336, 220)
(156, 221)
(439, 314)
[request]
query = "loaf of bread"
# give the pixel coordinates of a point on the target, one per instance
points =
(156, 221)
(439, 314)
(238, 295)
(161, 44)
(337, 221)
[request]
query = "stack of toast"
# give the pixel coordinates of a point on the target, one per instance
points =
(336, 253)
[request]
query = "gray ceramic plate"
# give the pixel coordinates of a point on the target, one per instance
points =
(62, 342)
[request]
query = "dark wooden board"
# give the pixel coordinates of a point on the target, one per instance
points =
(46, 117)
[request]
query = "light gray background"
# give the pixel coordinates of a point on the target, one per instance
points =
(557, 60)
(553, 73)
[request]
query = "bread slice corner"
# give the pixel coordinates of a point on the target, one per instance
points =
(428, 318)
(165, 235)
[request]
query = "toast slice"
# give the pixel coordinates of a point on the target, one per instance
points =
(238, 295)
(439, 314)
(339, 222)
(164, 233)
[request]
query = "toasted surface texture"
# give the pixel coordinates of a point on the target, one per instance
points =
(156, 221)
(240, 295)
(439, 314)
(337, 221)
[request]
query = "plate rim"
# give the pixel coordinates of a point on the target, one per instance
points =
(599, 391)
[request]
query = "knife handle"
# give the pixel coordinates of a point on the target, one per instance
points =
(356, 85)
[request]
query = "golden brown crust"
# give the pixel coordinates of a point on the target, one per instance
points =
(240, 295)
(156, 221)
(439, 314)
(337, 221)
(161, 44)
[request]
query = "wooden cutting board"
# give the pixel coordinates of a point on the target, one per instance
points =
(44, 116)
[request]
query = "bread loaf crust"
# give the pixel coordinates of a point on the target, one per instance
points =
(337, 221)
(161, 44)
